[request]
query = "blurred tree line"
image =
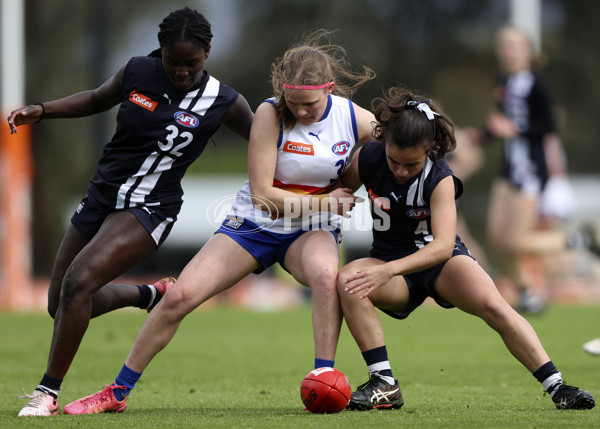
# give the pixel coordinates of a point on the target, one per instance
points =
(441, 48)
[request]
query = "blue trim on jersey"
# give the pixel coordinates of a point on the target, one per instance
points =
(271, 101)
(328, 109)
(353, 117)
(280, 138)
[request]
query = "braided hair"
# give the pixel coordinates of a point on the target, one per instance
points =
(408, 120)
(183, 25)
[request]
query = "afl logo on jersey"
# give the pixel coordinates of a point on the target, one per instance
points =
(341, 148)
(186, 119)
(418, 213)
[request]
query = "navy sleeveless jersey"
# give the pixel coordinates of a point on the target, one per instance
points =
(525, 100)
(401, 212)
(160, 131)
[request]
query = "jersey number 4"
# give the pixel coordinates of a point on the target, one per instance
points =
(423, 231)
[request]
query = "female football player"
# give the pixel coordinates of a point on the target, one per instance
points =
(416, 253)
(169, 108)
(524, 120)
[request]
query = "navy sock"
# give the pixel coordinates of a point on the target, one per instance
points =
(545, 371)
(377, 361)
(375, 355)
(549, 377)
(49, 385)
(127, 378)
(320, 363)
(145, 296)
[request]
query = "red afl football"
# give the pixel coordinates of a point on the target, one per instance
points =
(325, 390)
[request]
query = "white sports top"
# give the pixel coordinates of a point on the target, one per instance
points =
(310, 159)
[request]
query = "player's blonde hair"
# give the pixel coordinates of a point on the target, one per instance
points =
(313, 62)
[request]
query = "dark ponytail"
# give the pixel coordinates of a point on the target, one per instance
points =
(408, 120)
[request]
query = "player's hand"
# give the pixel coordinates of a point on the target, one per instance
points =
(500, 126)
(343, 200)
(25, 115)
(368, 279)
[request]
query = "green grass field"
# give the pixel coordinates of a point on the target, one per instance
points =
(241, 369)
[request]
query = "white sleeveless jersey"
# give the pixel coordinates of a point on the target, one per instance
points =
(310, 159)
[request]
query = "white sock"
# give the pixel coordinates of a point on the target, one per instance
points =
(153, 293)
(380, 366)
(47, 390)
(554, 380)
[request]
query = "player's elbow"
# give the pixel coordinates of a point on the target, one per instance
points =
(260, 196)
(443, 249)
(447, 254)
(260, 202)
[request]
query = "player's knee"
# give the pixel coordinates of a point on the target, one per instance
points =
(497, 314)
(493, 239)
(325, 278)
(343, 276)
(53, 298)
(502, 242)
(76, 284)
(177, 303)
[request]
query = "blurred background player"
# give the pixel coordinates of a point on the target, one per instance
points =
(531, 196)
(169, 108)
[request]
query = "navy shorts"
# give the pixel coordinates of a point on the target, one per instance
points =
(527, 173)
(266, 246)
(420, 285)
(88, 219)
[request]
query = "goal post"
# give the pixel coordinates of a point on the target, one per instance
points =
(527, 14)
(16, 167)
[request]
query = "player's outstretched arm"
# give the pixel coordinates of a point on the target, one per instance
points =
(81, 104)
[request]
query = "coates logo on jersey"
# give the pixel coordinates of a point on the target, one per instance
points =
(341, 148)
(142, 100)
(299, 148)
(381, 202)
(418, 213)
(186, 119)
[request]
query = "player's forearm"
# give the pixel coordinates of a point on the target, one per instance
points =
(74, 106)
